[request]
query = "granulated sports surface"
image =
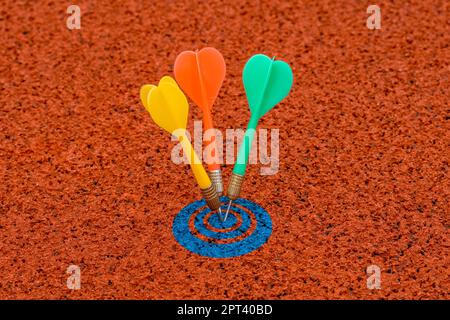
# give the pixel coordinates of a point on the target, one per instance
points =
(364, 150)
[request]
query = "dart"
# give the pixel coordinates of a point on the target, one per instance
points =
(200, 75)
(169, 109)
(266, 82)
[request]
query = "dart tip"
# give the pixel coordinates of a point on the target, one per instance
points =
(228, 210)
(220, 215)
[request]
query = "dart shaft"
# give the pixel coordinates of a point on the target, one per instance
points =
(234, 188)
(245, 148)
(204, 182)
(198, 170)
(212, 154)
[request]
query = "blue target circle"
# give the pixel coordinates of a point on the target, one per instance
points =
(247, 228)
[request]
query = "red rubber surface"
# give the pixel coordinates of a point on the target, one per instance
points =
(364, 148)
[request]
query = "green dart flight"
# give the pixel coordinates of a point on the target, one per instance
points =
(266, 82)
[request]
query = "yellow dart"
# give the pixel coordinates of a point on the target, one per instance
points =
(169, 108)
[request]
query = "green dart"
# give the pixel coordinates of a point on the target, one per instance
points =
(266, 82)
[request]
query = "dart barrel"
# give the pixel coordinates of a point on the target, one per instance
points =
(234, 188)
(216, 179)
(211, 197)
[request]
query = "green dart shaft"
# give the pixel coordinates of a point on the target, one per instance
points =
(244, 151)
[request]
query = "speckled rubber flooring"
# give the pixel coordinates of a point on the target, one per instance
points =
(86, 176)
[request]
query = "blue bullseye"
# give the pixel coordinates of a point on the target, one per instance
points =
(209, 245)
(215, 221)
(201, 227)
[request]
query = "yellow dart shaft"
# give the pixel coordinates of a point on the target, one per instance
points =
(208, 190)
(198, 170)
